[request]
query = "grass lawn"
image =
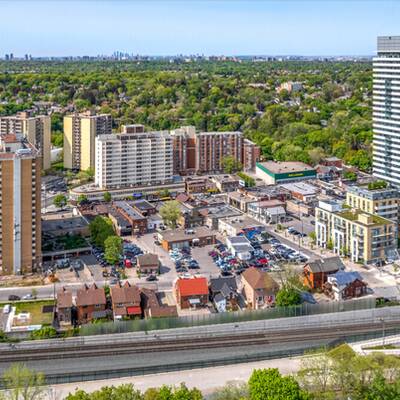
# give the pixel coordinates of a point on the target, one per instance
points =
(34, 307)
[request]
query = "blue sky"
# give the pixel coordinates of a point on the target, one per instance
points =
(163, 27)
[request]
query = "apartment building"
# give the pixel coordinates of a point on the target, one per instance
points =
(184, 145)
(80, 132)
(203, 152)
(250, 155)
(386, 110)
(133, 159)
(37, 129)
(20, 206)
(363, 236)
(383, 202)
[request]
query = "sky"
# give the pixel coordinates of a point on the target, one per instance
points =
(210, 27)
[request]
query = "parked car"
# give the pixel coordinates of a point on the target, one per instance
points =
(28, 296)
(151, 278)
(13, 297)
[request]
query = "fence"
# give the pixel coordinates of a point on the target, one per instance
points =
(224, 318)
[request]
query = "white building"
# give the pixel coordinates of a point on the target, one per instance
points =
(240, 247)
(386, 109)
(133, 159)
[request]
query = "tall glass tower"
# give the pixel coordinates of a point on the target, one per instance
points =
(386, 110)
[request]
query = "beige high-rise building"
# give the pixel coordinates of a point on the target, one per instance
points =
(20, 206)
(80, 131)
(37, 129)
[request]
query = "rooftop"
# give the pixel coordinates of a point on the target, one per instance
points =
(259, 279)
(355, 214)
(301, 187)
(281, 167)
(192, 286)
(128, 209)
(177, 235)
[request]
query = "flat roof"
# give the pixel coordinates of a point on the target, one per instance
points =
(128, 209)
(242, 222)
(281, 167)
(301, 187)
(177, 235)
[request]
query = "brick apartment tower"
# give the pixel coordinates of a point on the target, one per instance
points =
(37, 129)
(80, 131)
(203, 152)
(20, 206)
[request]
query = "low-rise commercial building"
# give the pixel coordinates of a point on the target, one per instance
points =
(301, 191)
(180, 238)
(240, 247)
(234, 226)
(268, 211)
(276, 172)
(364, 237)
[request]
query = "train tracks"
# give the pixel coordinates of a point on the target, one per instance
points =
(65, 350)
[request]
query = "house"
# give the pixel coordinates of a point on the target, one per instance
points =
(125, 301)
(148, 264)
(224, 293)
(191, 292)
(316, 272)
(259, 288)
(240, 247)
(90, 304)
(153, 307)
(64, 306)
(346, 285)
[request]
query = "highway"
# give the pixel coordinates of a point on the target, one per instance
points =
(107, 356)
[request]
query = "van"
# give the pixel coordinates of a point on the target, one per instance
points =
(6, 309)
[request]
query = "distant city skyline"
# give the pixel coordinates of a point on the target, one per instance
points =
(209, 27)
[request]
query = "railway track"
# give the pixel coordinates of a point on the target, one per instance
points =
(68, 351)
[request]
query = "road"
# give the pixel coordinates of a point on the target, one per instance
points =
(205, 379)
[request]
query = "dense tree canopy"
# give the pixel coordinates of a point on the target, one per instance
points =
(331, 115)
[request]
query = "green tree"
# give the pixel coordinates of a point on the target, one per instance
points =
(231, 165)
(82, 199)
(231, 391)
(100, 229)
(288, 296)
(21, 383)
(112, 249)
(170, 212)
(313, 237)
(269, 384)
(107, 197)
(46, 332)
(121, 392)
(60, 200)
(350, 175)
